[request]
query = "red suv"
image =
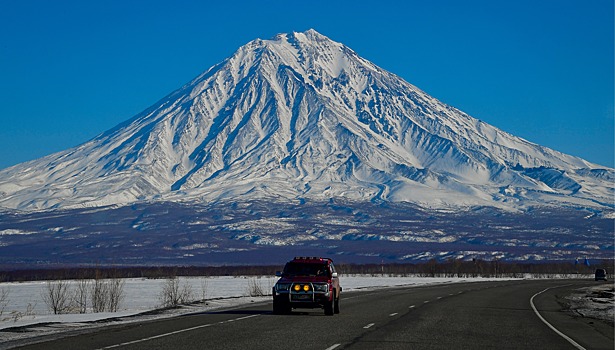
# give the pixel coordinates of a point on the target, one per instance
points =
(307, 282)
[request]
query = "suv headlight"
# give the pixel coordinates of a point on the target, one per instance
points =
(321, 287)
(282, 287)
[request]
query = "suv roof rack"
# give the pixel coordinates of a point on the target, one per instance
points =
(311, 258)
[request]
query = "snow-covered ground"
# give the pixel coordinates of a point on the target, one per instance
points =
(24, 305)
(594, 302)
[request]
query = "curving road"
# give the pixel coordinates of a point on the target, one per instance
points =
(479, 315)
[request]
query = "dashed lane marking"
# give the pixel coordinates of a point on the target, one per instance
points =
(369, 325)
(393, 314)
(333, 346)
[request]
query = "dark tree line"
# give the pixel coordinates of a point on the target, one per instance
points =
(432, 268)
(476, 268)
(60, 273)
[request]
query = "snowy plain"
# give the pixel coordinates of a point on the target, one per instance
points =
(26, 315)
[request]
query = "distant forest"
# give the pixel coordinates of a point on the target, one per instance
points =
(432, 268)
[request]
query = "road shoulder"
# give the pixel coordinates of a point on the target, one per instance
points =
(556, 307)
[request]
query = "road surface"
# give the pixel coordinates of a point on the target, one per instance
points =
(478, 315)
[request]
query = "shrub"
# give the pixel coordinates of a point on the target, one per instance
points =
(56, 295)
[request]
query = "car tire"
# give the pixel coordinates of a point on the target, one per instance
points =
(280, 308)
(330, 307)
(336, 305)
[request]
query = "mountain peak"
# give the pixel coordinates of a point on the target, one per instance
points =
(312, 34)
(314, 55)
(301, 116)
(309, 35)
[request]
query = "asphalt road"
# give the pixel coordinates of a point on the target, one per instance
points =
(479, 315)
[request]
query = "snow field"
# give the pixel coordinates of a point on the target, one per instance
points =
(594, 302)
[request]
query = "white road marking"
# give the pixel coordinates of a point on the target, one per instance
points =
(333, 346)
(426, 301)
(393, 314)
(411, 307)
(440, 298)
(369, 325)
(360, 296)
(575, 344)
(173, 333)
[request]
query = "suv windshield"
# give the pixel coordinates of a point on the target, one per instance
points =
(304, 269)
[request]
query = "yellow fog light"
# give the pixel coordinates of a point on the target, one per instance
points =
(297, 287)
(306, 287)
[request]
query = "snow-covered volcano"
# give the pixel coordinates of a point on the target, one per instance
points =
(301, 117)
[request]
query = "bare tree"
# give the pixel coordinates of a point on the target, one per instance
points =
(4, 299)
(115, 292)
(169, 295)
(255, 288)
(204, 287)
(56, 295)
(17, 315)
(186, 294)
(98, 295)
(174, 293)
(106, 294)
(80, 297)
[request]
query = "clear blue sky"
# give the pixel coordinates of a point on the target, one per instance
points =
(541, 70)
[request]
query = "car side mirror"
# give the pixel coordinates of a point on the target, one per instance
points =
(278, 273)
(334, 275)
